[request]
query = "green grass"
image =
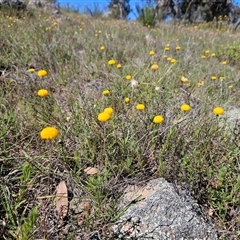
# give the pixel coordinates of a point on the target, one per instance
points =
(196, 148)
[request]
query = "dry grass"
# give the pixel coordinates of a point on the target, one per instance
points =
(196, 148)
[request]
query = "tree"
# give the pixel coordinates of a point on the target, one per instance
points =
(119, 8)
(206, 10)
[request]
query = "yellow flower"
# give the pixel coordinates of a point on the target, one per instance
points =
(49, 133)
(166, 48)
(185, 108)
(140, 106)
(128, 77)
(224, 62)
(119, 65)
(207, 51)
(184, 80)
(42, 93)
(103, 117)
(102, 48)
(158, 119)
(173, 60)
(218, 111)
(213, 55)
(213, 78)
(108, 110)
(106, 92)
(154, 67)
(169, 59)
(221, 78)
(151, 53)
(200, 84)
(230, 86)
(42, 73)
(127, 100)
(178, 48)
(31, 70)
(203, 56)
(111, 62)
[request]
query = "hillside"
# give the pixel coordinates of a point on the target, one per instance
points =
(129, 102)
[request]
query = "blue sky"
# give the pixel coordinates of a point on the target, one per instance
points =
(80, 4)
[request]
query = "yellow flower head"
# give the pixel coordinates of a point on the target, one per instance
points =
(203, 56)
(102, 48)
(140, 106)
(200, 84)
(103, 117)
(218, 111)
(173, 60)
(207, 51)
(151, 53)
(128, 77)
(119, 65)
(158, 119)
(154, 67)
(127, 100)
(106, 92)
(31, 70)
(166, 48)
(169, 59)
(178, 48)
(213, 78)
(184, 80)
(49, 133)
(108, 110)
(42, 73)
(230, 86)
(224, 62)
(221, 78)
(42, 93)
(185, 108)
(111, 62)
(213, 55)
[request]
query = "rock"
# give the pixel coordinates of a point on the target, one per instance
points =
(162, 212)
(233, 119)
(16, 4)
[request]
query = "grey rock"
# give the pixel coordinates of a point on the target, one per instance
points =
(230, 122)
(162, 212)
(16, 4)
(233, 118)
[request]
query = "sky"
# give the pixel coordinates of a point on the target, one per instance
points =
(102, 3)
